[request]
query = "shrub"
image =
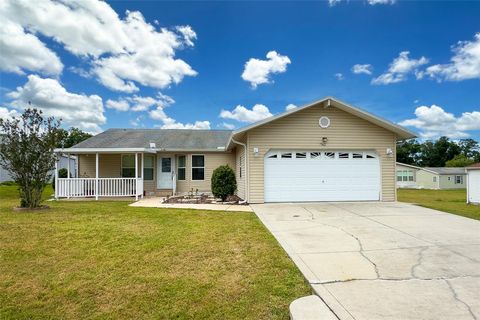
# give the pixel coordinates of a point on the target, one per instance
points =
(26, 152)
(224, 183)
(62, 173)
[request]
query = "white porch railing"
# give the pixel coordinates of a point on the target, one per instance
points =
(107, 187)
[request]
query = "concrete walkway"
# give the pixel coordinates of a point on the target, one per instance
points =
(156, 202)
(372, 261)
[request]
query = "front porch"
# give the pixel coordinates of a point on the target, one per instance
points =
(122, 182)
(98, 187)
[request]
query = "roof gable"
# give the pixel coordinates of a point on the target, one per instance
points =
(401, 132)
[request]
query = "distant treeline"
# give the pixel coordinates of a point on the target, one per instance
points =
(440, 153)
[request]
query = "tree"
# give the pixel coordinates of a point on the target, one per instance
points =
(26, 151)
(224, 183)
(469, 148)
(435, 154)
(72, 137)
(460, 160)
(408, 151)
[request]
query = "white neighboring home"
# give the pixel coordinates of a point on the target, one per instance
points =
(409, 176)
(473, 183)
(62, 163)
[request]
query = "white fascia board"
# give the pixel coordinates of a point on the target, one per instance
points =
(103, 150)
(129, 150)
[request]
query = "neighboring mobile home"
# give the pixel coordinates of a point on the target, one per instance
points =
(62, 163)
(409, 176)
(473, 183)
(323, 151)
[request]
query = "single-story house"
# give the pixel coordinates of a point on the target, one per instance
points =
(62, 163)
(409, 176)
(473, 183)
(327, 150)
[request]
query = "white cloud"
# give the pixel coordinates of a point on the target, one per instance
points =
(242, 114)
(374, 2)
(161, 102)
(136, 122)
(290, 107)
(434, 122)
(228, 126)
(123, 52)
(7, 114)
(370, 2)
(198, 125)
(339, 76)
(464, 65)
(21, 50)
(140, 103)
(362, 68)
(331, 3)
(119, 105)
(259, 71)
(400, 68)
(79, 110)
(188, 34)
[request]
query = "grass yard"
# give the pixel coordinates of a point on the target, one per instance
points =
(105, 260)
(452, 201)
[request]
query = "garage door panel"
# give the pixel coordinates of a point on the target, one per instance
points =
(322, 178)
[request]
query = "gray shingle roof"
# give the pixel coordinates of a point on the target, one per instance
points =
(445, 170)
(169, 139)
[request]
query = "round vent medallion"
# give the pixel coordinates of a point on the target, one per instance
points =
(324, 122)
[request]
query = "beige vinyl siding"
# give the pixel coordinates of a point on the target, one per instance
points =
(240, 163)
(425, 180)
(110, 166)
(212, 161)
(450, 184)
(301, 130)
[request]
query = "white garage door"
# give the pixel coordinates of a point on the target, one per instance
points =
(473, 186)
(321, 176)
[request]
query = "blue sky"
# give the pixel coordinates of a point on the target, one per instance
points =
(200, 65)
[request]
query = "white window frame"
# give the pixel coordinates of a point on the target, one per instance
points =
(121, 165)
(460, 179)
(178, 167)
(405, 175)
(204, 162)
(152, 167)
(240, 167)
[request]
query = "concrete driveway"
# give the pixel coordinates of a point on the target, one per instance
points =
(382, 260)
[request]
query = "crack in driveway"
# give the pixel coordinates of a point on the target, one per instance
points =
(455, 296)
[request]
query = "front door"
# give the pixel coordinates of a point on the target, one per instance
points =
(165, 172)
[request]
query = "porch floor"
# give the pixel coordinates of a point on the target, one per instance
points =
(156, 202)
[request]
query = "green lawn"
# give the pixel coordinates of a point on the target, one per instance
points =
(105, 260)
(452, 201)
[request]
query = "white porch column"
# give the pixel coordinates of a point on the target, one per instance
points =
(96, 176)
(136, 176)
(141, 172)
(56, 177)
(68, 175)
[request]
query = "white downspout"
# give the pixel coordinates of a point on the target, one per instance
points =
(247, 188)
